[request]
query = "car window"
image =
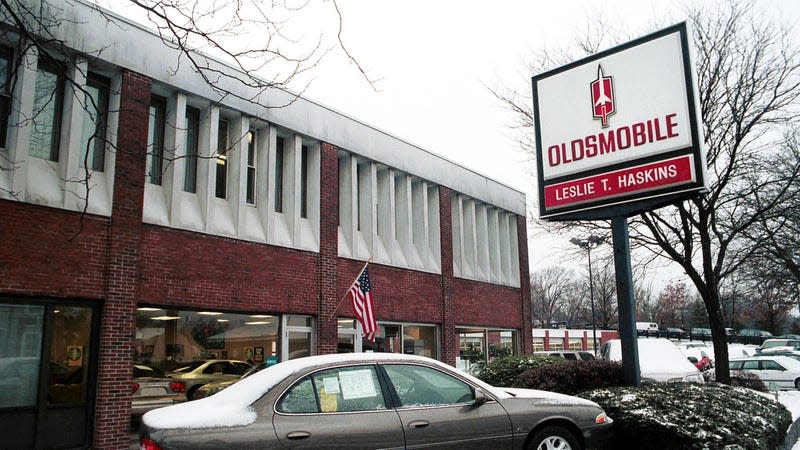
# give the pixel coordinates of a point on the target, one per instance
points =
(141, 371)
(299, 399)
(736, 365)
(771, 365)
(570, 356)
(218, 367)
(240, 368)
(419, 386)
(344, 389)
(750, 365)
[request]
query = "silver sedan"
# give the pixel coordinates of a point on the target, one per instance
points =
(376, 400)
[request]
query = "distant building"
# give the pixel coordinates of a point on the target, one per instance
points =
(239, 249)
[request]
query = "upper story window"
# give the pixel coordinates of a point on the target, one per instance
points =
(46, 115)
(93, 142)
(155, 138)
(6, 64)
(221, 178)
(304, 182)
(279, 175)
(251, 167)
(192, 124)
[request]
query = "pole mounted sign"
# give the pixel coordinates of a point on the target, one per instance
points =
(618, 132)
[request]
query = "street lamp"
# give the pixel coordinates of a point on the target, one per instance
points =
(587, 244)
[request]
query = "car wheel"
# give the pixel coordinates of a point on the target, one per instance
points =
(554, 438)
(797, 384)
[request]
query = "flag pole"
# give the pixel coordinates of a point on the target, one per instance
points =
(351, 285)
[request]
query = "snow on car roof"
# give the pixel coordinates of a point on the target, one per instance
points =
(232, 406)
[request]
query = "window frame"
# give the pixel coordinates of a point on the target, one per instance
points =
(221, 160)
(280, 156)
(251, 191)
(157, 120)
(191, 150)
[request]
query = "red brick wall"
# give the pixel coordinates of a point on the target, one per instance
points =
(400, 295)
(450, 348)
(486, 305)
(193, 270)
(118, 317)
(51, 252)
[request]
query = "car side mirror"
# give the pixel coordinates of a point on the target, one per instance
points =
(480, 397)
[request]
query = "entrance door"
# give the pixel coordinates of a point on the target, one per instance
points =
(47, 350)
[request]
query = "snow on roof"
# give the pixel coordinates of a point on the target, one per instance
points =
(232, 406)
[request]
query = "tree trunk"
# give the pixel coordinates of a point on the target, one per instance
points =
(718, 335)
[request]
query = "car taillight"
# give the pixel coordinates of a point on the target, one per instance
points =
(134, 387)
(148, 444)
(603, 418)
(177, 386)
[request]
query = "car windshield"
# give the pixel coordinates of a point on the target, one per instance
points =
(188, 367)
(142, 371)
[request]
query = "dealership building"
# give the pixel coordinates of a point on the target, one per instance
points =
(217, 228)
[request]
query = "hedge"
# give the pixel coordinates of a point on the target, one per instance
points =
(663, 416)
(503, 372)
(572, 377)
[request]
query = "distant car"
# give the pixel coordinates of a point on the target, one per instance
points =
(699, 357)
(701, 332)
(659, 360)
(369, 400)
(675, 333)
(776, 371)
(151, 388)
(209, 389)
(647, 327)
(198, 373)
(570, 355)
(771, 345)
(789, 336)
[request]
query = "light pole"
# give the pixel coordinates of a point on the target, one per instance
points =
(587, 244)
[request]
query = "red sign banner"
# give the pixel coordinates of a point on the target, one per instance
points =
(646, 177)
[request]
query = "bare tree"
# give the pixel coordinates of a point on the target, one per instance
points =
(749, 86)
(550, 289)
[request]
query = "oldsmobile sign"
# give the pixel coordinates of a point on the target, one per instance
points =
(618, 132)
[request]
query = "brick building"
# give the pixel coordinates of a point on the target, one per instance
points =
(218, 229)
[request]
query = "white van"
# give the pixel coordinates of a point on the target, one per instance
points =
(659, 360)
(646, 326)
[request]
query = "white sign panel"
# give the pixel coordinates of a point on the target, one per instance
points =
(630, 106)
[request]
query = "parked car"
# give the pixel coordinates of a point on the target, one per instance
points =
(753, 336)
(789, 336)
(775, 371)
(674, 333)
(209, 389)
(151, 388)
(659, 360)
(200, 372)
(741, 350)
(701, 333)
(570, 355)
(364, 400)
(647, 327)
(772, 345)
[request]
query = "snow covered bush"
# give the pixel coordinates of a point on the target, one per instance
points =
(663, 416)
(571, 377)
(503, 372)
(749, 380)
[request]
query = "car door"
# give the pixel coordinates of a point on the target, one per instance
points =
(343, 407)
(773, 373)
(437, 410)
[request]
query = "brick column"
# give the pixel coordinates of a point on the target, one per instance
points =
(328, 248)
(448, 338)
(118, 317)
(524, 285)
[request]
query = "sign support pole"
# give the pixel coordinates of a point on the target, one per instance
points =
(626, 301)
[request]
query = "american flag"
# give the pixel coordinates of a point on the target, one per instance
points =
(361, 294)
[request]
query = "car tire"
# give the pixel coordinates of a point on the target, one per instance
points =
(190, 394)
(554, 437)
(797, 384)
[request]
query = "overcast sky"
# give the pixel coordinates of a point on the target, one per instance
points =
(433, 60)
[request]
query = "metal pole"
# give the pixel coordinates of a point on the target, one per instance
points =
(591, 297)
(626, 301)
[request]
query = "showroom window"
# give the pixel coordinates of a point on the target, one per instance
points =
(411, 339)
(477, 346)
